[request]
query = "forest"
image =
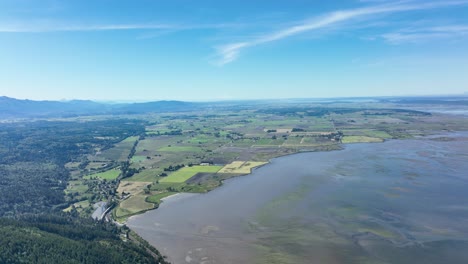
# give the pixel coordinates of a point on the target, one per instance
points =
(33, 157)
(66, 239)
(32, 182)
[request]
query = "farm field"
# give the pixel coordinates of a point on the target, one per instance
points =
(360, 139)
(120, 151)
(76, 186)
(193, 149)
(149, 175)
(130, 187)
(138, 159)
(134, 204)
(186, 173)
(367, 132)
(78, 206)
(166, 156)
(156, 198)
(241, 167)
(107, 175)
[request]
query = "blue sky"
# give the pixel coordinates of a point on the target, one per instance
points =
(218, 50)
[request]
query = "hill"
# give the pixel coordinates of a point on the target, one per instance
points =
(62, 239)
(11, 108)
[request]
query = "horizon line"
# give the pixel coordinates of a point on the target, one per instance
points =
(126, 101)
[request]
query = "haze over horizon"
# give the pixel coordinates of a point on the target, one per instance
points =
(213, 50)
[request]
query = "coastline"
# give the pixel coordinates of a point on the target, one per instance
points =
(171, 197)
(342, 147)
(164, 216)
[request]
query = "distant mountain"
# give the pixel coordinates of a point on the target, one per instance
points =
(429, 100)
(16, 108)
(11, 108)
(159, 106)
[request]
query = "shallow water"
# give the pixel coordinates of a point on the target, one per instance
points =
(394, 202)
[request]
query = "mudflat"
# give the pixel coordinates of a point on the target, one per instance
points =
(402, 201)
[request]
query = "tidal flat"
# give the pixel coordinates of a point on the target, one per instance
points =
(401, 201)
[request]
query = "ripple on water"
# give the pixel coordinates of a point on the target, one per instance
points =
(394, 202)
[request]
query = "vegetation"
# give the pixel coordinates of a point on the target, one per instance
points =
(180, 149)
(68, 165)
(360, 139)
(66, 239)
(186, 173)
(241, 140)
(33, 155)
(156, 199)
(241, 167)
(39, 161)
(134, 204)
(107, 175)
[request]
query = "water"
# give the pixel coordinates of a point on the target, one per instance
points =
(395, 202)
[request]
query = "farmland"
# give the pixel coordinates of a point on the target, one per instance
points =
(168, 155)
(186, 173)
(120, 151)
(107, 175)
(360, 139)
(133, 205)
(165, 155)
(156, 199)
(240, 167)
(132, 162)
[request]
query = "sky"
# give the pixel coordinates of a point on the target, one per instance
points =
(143, 50)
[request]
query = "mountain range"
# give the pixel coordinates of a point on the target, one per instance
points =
(16, 108)
(11, 108)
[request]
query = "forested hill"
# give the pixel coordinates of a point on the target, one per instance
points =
(33, 178)
(33, 157)
(61, 239)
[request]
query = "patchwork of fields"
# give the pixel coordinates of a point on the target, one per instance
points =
(241, 167)
(107, 175)
(168, 157)
(186, 173)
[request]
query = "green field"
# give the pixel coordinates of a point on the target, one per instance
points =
(79, 206)
(188, 172)
(121, 150)
(368, 133)
(133, 205)
(130, 139)
(180, 149)
(239, 139)
(378, 134)
(156, 199)
(148, 175)
(138, 158)
(107, 175)
(76, 186)
(152, 144)
(200, 139)
(360, 139)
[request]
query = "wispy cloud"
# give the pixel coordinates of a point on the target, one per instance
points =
(426, 34)
(57, 26)
(63, 27)
(230, 52)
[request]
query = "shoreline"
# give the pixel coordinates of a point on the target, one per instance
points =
(154, 218)
(342, 147)
(171, 197)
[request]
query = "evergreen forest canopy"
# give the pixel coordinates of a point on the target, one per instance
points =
(65, 239)
(32, 182)
(33, 157)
